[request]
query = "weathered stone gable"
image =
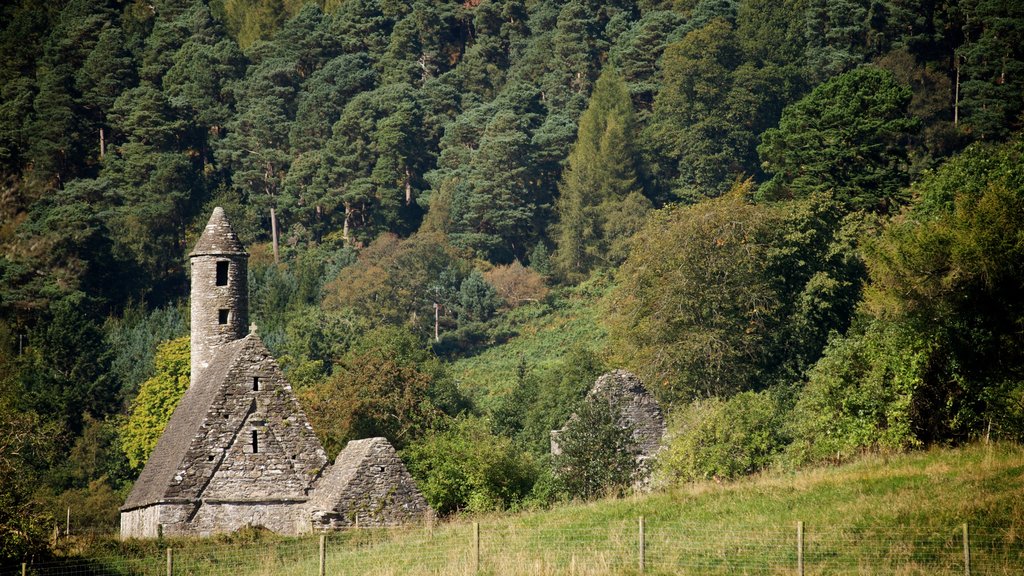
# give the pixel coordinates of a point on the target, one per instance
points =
(368, 485)
(288, 456)
(639, 412)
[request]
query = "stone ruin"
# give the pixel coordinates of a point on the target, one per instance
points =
(639, 412)
(238, 450)
(367, 486)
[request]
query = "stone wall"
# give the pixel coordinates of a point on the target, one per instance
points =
(158, 519)
(282, 517)
(639, 412)
(368, 485)
(220, 462)
(208, 299)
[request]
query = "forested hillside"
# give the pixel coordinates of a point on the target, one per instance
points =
(801, 222)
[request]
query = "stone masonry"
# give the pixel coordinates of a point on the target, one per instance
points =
(367, 486)
(238, 450)
(640, 413)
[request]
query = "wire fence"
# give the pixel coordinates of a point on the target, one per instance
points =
(626, 546)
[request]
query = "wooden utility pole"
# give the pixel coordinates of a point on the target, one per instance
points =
(273, 233)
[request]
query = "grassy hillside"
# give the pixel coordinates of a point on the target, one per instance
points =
(880, 515)
(543, 332)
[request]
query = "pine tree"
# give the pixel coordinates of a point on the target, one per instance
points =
(601, 176)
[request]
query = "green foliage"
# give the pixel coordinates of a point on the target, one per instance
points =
(28, 445)
(388, 384)
(156, 401)
(723, 439)
(950, 270)
(848, 136)
(597, 453)
(477, 298)
(133, 340)
(695, 309)
(68, 374)
(398, 281)
(544, 397)
(938, 355)
(464, 466)
(990, 62)
(600, 204)
(546, 335)
(865, 393)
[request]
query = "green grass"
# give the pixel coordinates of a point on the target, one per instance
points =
(879, 515)
(544, 331)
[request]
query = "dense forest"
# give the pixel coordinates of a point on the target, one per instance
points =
(801, 222)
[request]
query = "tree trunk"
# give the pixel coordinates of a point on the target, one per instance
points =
(437, 332)
(408, 187)
(956, 93)
(273, 233)
(103, 145)
(348, 217)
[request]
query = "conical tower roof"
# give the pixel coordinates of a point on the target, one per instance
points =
(218, 237)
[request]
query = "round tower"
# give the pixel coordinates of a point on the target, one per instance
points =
(220, 291)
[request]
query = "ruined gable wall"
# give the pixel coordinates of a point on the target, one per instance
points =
(377, 489)
(640, 411)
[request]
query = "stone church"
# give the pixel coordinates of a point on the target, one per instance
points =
(238, 450)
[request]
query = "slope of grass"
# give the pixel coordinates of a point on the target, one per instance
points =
(880, 515)
(544, 331)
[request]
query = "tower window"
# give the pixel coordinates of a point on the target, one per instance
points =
(222, 273)
(222, 316)
(255, 442)
(255, 383)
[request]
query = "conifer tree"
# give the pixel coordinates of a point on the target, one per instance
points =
(601, 178)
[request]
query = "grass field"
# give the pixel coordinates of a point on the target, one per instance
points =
(880, 515)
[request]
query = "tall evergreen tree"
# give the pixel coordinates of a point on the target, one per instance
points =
(599, 181)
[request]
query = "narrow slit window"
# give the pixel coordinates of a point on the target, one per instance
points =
(222, 315)
(255, 383)
(255, 442)
(222, 273)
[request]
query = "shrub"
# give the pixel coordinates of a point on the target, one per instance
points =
(467, 467)
(722, 439)
(517, 284)
(598, 455)
(864, 393)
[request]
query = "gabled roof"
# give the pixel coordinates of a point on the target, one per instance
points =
(184, 425)
(218, 237)
(368, 481)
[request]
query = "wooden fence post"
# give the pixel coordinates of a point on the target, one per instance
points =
(323, 555)
(643, 546)
(476, 547)
(170, 561)
(967, 552)
(800, 548)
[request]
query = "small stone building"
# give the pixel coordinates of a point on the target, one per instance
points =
(367, 486)
(639, 412)
(238, 450)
